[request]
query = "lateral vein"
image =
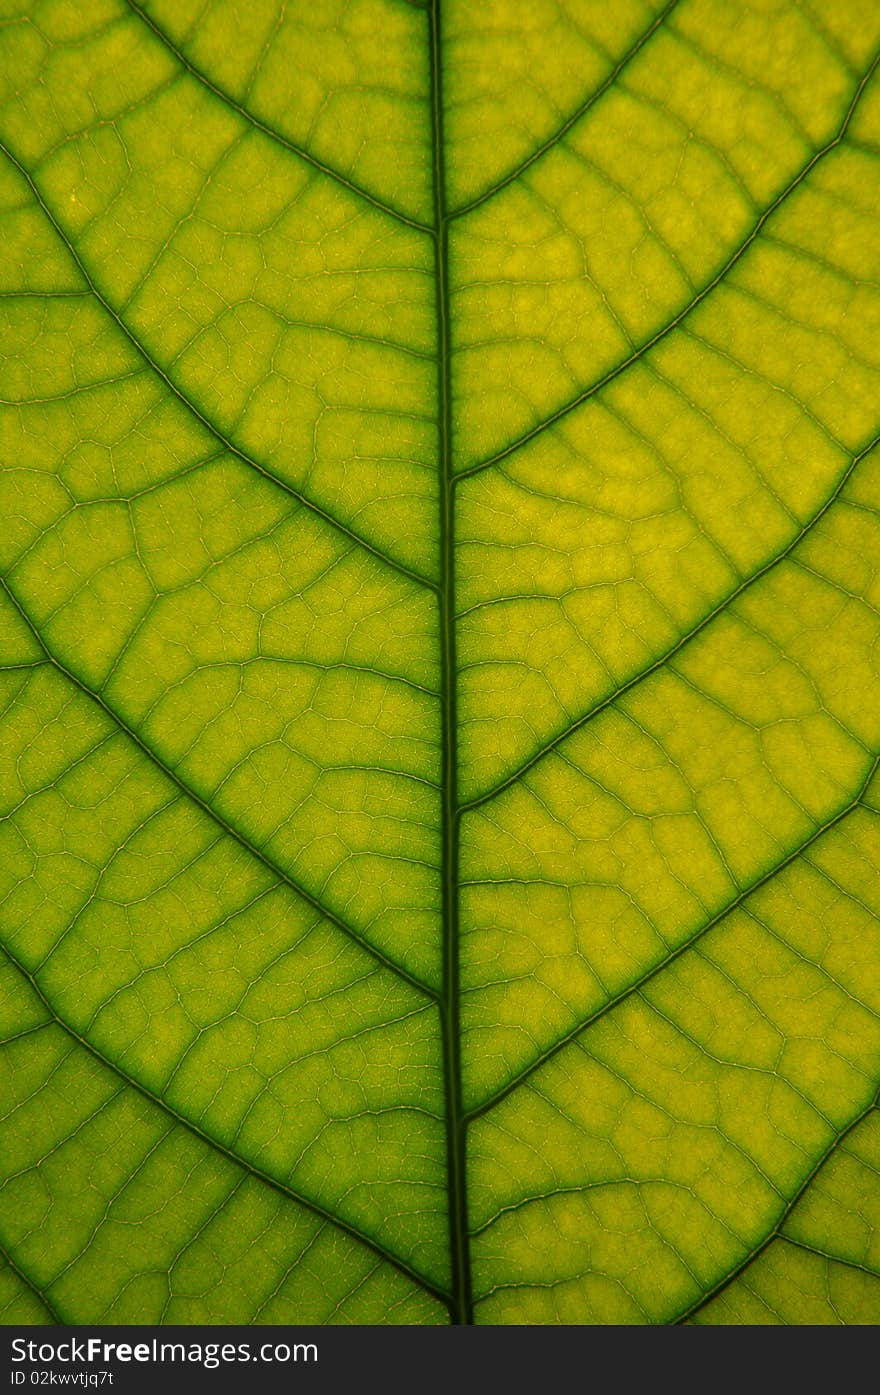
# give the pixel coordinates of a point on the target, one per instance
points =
(562, 131)
(661, 334)
(170, 774)
(290, 1193)
(775, 1232)
(191, 407)
(639, 983)
(680, 644)
(300, 151)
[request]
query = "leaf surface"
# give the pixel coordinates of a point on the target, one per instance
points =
(439, 625)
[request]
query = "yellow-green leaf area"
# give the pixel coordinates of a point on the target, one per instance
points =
(439, 678)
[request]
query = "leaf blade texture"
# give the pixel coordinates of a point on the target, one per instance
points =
(439, 632)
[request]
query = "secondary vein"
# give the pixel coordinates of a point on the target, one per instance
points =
(215, 431)
(214, 1143)
(775, 1232)
(170, 774)
(611, 1003)
(284, 141)
(29, 1284)
(567, 407)
(643, 674)
(586, 105)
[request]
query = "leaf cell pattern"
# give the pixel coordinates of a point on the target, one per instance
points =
(440, 640)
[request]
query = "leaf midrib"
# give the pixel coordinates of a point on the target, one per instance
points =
(461, 1309)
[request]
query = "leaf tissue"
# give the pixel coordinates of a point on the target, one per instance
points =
(440, 642)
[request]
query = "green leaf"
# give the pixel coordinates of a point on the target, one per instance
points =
(440, 626)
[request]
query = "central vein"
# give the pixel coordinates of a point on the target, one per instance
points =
(462, 1306)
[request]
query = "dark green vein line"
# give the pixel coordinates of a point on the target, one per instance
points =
(29, 1284)
(562, 131)
(831, 1258)
(680, 644)
(170, 774)
(582, 1189)
(25, 1032)
(773, 1234)
(661, 334)
(282, 1188)
(191, 407)
(639, 983)
(229, 101)
(456, 1156)
(43, 295)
